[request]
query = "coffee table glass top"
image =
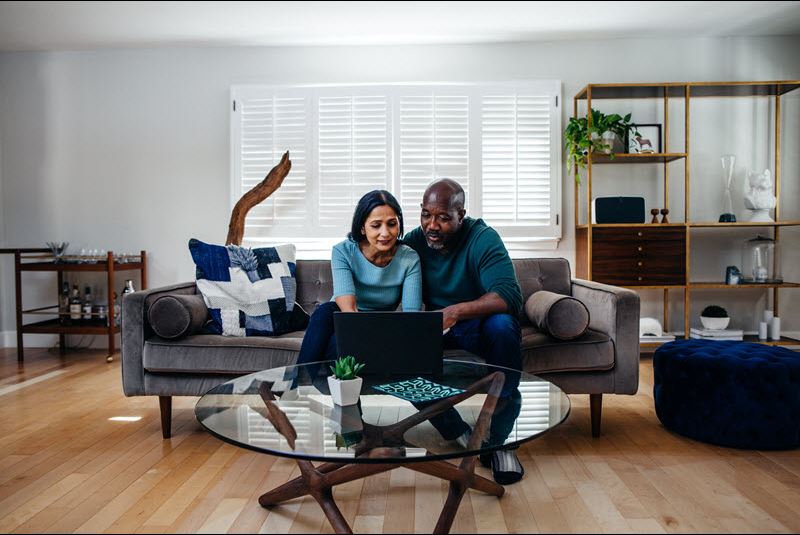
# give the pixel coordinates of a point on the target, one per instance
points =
(235, 412)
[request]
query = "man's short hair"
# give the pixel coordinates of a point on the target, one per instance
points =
(457, 195)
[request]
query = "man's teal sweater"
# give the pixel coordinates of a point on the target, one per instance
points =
(477, 263)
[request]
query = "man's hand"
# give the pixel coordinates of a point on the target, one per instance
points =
(488, 304)
(451, 316)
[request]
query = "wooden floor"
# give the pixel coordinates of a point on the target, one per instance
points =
(65, 466)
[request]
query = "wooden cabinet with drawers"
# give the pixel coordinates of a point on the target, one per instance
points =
(639, 256)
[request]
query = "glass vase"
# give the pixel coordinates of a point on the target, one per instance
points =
(728, 164)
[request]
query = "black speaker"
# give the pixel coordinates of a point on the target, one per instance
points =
(618, 210)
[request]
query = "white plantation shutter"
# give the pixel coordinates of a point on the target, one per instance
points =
(434, 143)
(517, 167)
(353, 154)
(500, 141)
(269, 127)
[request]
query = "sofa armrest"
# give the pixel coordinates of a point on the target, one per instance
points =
(614, 311)
(136, 329)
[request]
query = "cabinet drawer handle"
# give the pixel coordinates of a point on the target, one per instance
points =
(639, 248)
(640, 279)
(639, 234)
(638, 263)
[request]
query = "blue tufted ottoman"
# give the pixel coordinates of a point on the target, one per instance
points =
(736, 394)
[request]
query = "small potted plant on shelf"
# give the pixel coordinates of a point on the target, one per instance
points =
(580, 138)
(714, 317)
(344, 384)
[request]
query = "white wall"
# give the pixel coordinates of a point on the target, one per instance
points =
(129, 149)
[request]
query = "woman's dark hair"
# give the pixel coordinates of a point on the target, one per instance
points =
(366, 205)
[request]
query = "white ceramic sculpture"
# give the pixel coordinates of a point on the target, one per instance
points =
(759, 196)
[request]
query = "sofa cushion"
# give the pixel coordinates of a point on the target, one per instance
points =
(208, 353)
(175, 316)
(249, 292)
(561, 316)
(542, 353)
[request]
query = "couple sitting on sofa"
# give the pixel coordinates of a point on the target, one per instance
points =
(453, 263)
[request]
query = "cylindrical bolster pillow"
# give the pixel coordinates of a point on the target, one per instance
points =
(560, 316)
(174, 316)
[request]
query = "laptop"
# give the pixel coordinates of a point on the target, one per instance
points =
(391, 343)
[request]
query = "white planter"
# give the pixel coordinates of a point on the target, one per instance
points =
(344, 393)
(715, 323)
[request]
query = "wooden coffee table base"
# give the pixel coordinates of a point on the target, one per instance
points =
(387, 442)
(319, 482)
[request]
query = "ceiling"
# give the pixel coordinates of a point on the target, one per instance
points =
(96, 25)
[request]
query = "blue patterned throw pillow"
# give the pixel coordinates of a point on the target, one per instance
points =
(248, 292)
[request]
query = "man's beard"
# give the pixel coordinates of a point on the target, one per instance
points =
(438, 245)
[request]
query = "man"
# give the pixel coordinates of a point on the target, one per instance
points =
(468, 275)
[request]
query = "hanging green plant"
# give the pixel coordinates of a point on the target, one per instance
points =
(580, 139)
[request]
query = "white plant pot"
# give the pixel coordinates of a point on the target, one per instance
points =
(716, 324)
(344, 393)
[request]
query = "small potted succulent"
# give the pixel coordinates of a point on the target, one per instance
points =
(715, 318)
(344, 384)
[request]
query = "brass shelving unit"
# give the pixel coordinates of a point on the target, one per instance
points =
(686, 91)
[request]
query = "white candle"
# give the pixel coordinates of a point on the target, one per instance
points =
(762, 330)
(775, 329)
(768, 316)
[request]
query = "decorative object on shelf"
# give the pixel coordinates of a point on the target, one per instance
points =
(732, 275)
(728, 165)
(651, 332)
(714, 318)
(605, 135)
(716, 334)
(768, 315)
(654, 212)
(618, 210)
(344, 384)
(58, 249)
(759, 196)
(664, 213)
(761, 261)
(775, 329)
(762, 330)
(644, 139)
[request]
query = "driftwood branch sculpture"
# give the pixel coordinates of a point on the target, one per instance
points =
(260, 191)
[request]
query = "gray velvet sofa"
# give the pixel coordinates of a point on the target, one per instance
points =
(605, 360)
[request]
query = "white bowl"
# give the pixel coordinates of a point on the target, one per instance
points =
(716, 324)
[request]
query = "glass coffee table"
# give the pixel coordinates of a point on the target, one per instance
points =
(288, 412)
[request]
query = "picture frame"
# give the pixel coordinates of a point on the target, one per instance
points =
(648, 142)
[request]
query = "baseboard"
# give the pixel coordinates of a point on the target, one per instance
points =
(8, 339)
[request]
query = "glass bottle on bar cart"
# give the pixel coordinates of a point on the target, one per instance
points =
(63, 304)
(75, 305)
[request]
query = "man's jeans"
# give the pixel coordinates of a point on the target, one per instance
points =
(497, 339)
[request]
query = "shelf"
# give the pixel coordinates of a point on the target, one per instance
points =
(632, 225)
(99, 266)
(54, 326)
(656, 287)
(620, 91)
(697, 89)
(717, 285)
(745, 224)
(660, 157)
(742, 89)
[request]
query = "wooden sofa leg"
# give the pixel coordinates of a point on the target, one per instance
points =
(165, 402)
(596, 405)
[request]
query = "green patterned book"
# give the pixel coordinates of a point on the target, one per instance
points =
(418, 390)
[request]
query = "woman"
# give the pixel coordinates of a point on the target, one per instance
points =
(371, 269)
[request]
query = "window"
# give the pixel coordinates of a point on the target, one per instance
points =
(501, 141)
